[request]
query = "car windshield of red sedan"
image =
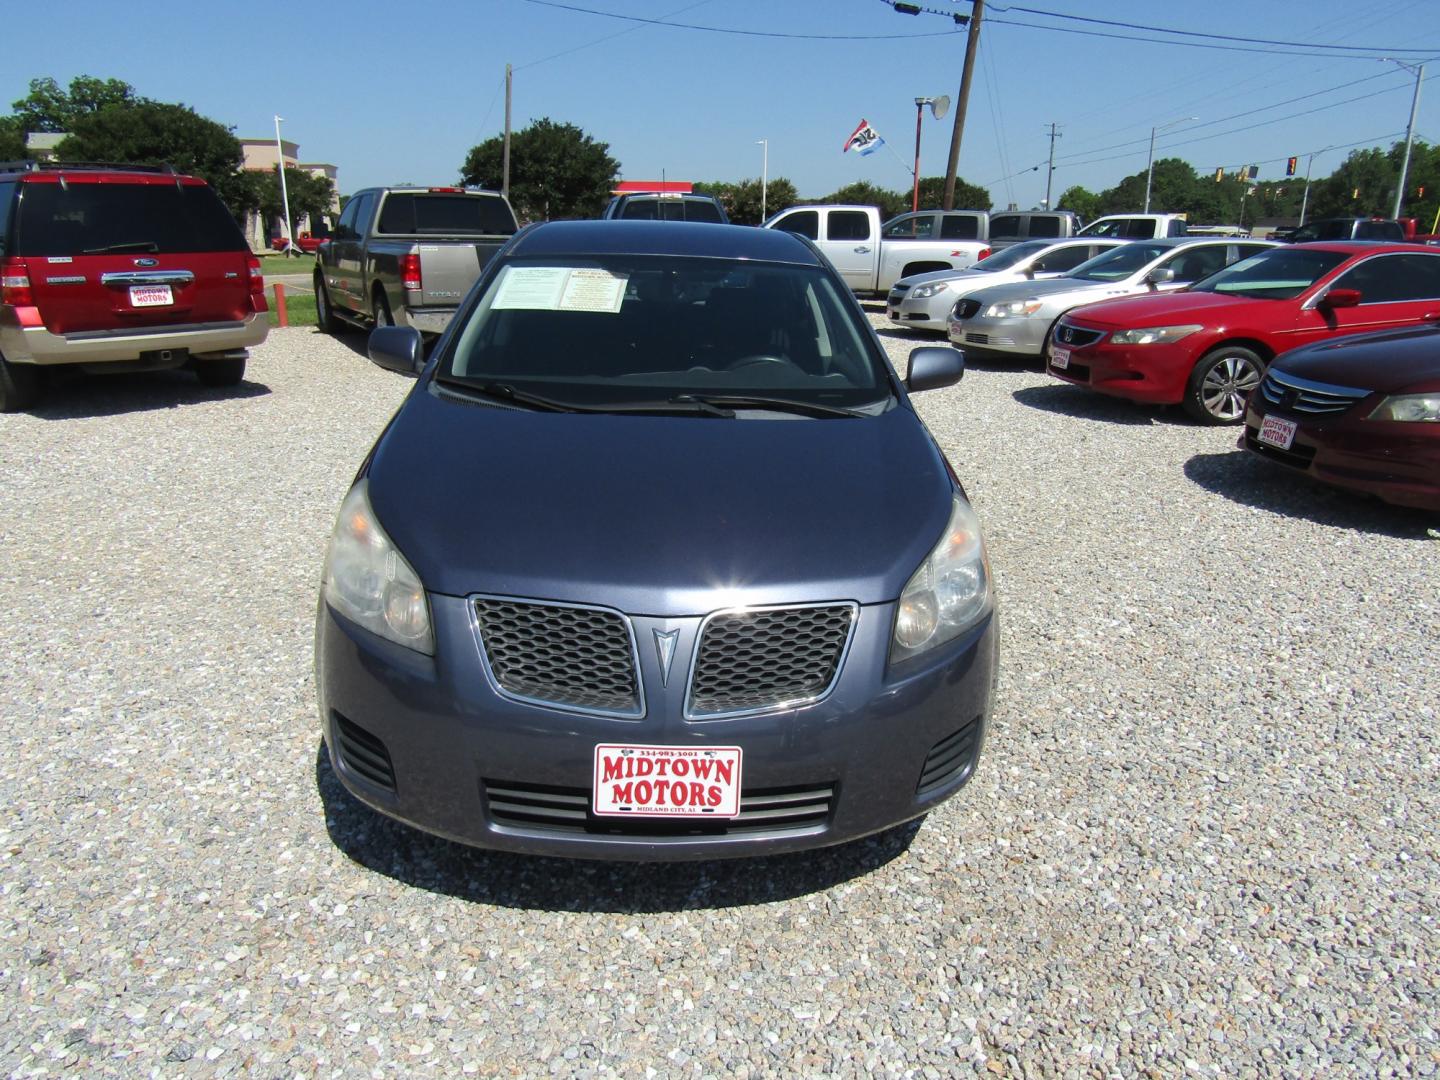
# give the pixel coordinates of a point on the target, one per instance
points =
(622, 331)
(1120, 262)
(1279, 274)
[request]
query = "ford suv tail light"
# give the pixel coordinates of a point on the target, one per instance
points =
(257, 285)
(410, 272)
(15, 283)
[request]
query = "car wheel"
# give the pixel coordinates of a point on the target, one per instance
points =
(226, 372)
(20, 386)
(1221, 382)
(380, 311)
(324, 314)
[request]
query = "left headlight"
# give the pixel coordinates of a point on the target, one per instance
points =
(924, 292)
(1154, 335)
(369, 582)
(949, 593)
(1421, 408)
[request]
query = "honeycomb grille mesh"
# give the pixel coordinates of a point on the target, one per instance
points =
(751, 660)
(571, 656)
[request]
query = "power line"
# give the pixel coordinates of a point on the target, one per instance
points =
(727, 30)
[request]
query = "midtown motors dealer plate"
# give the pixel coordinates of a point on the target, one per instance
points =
(669, 781)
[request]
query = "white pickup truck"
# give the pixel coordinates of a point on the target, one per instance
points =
(871, 257)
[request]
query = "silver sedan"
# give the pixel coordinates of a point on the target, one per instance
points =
(923, 301)
(1015, 320)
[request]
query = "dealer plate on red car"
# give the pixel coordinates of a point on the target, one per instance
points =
(1060, 358)
(668, 781)
(151, 295)
(1278, 432)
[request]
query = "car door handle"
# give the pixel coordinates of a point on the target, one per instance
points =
(862, 250)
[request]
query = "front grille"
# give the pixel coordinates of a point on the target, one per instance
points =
(948, 759)
(1076, 337)
(978, 339)
(363, 754)
(897, 293)
(1298, 456)
(768, 658)
(560, 809)
(573, 657)
(1304, 396)
(965, 309)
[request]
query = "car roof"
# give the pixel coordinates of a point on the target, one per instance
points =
(53, 171)
(1361, 247)
(695, 239)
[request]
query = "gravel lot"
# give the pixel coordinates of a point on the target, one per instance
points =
(1203, 837)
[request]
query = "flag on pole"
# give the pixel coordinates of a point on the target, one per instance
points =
(864, 138)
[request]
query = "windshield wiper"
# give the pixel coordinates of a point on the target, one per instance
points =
(129, 245)
(506, 392)
(747, 401)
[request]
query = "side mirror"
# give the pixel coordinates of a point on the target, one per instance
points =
(1160, 276)
(397, 348)
(1338, 298)
(934, 366)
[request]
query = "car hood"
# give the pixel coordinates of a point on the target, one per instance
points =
(1389, 361)
(658, 515)
(1156, 309)
(1049, 287)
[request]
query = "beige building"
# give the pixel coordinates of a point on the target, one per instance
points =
(261, 155)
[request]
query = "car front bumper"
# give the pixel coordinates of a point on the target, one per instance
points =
(1008, 337)
(1394, 461)
(929, 313)
(1151, 374)
(883, 747)
(27, 341)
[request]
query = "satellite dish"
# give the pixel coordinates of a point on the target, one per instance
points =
(940, 106)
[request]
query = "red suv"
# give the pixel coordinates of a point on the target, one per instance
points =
(120, 268)
(1206, 347)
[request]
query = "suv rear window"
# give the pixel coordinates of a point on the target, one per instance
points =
(434, 214)
(83, 218)
(671, 210)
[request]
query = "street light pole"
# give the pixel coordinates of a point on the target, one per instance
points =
(1409, 133)
(1150, 161)
(764, 174)
(284, 192)
(972, 45)
(920, 103)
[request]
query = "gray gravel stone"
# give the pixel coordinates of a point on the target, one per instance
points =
(1202, 839)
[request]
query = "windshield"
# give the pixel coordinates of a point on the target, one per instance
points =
(1275, 275)
(1119, 262)
(1011, 257)
(630, 330)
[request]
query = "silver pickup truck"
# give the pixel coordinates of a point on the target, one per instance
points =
(407, 255)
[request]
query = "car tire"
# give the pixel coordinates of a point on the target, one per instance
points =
(226, 372)
(20, 386)
(325, 318)
(380, 311)
(1220, 384)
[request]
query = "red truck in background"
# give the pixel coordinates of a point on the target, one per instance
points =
(305, 242)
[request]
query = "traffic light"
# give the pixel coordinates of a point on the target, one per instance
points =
(1290, 166)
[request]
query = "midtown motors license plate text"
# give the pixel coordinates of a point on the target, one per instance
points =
(673, 781)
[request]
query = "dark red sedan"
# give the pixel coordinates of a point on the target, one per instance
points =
(1360, 413)
(1207, 346)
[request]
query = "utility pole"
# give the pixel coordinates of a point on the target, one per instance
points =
(505, 156)
(1049, 176)
(1305, 199)
(1409, 134)
(972, 45)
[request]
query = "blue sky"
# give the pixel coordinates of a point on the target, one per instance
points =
(399, 93)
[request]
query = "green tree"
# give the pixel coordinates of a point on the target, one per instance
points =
(1078, 200)
(742, 199)
(152, 133)
(308, 194)
(12, 139)
(864, 193)
(967, 196)
(49, 108)
(556, 171)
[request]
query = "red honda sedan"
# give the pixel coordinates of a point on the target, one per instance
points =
(1207, 347)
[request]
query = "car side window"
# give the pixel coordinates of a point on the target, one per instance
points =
(849, 225)
(1137, 229)
(1192, 264)
(1176, 228)
(1062, 260)
(345, 227)
(909, 227)
(1044, 226)
(363, 214)
(804, 222)
(959, 227)
(1005, 225)
(1389, 279)
(7, 196)
(1244, 251)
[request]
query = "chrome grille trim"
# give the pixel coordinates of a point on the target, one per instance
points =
(965, 309)
(1308, 396)
(695, 709)
(1077, 336)
(517, 690)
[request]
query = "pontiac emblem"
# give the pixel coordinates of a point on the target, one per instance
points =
(665, 652)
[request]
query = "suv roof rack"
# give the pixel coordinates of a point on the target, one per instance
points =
(32, 165)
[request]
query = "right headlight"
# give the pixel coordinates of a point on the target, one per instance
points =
(1415, 408)
(924, 292)
(1013, 309)
(369, 582)
(949, 593)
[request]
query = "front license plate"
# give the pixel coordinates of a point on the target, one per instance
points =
(1278, 432)
(1060, 358)
(151, 296)
(666, 781)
